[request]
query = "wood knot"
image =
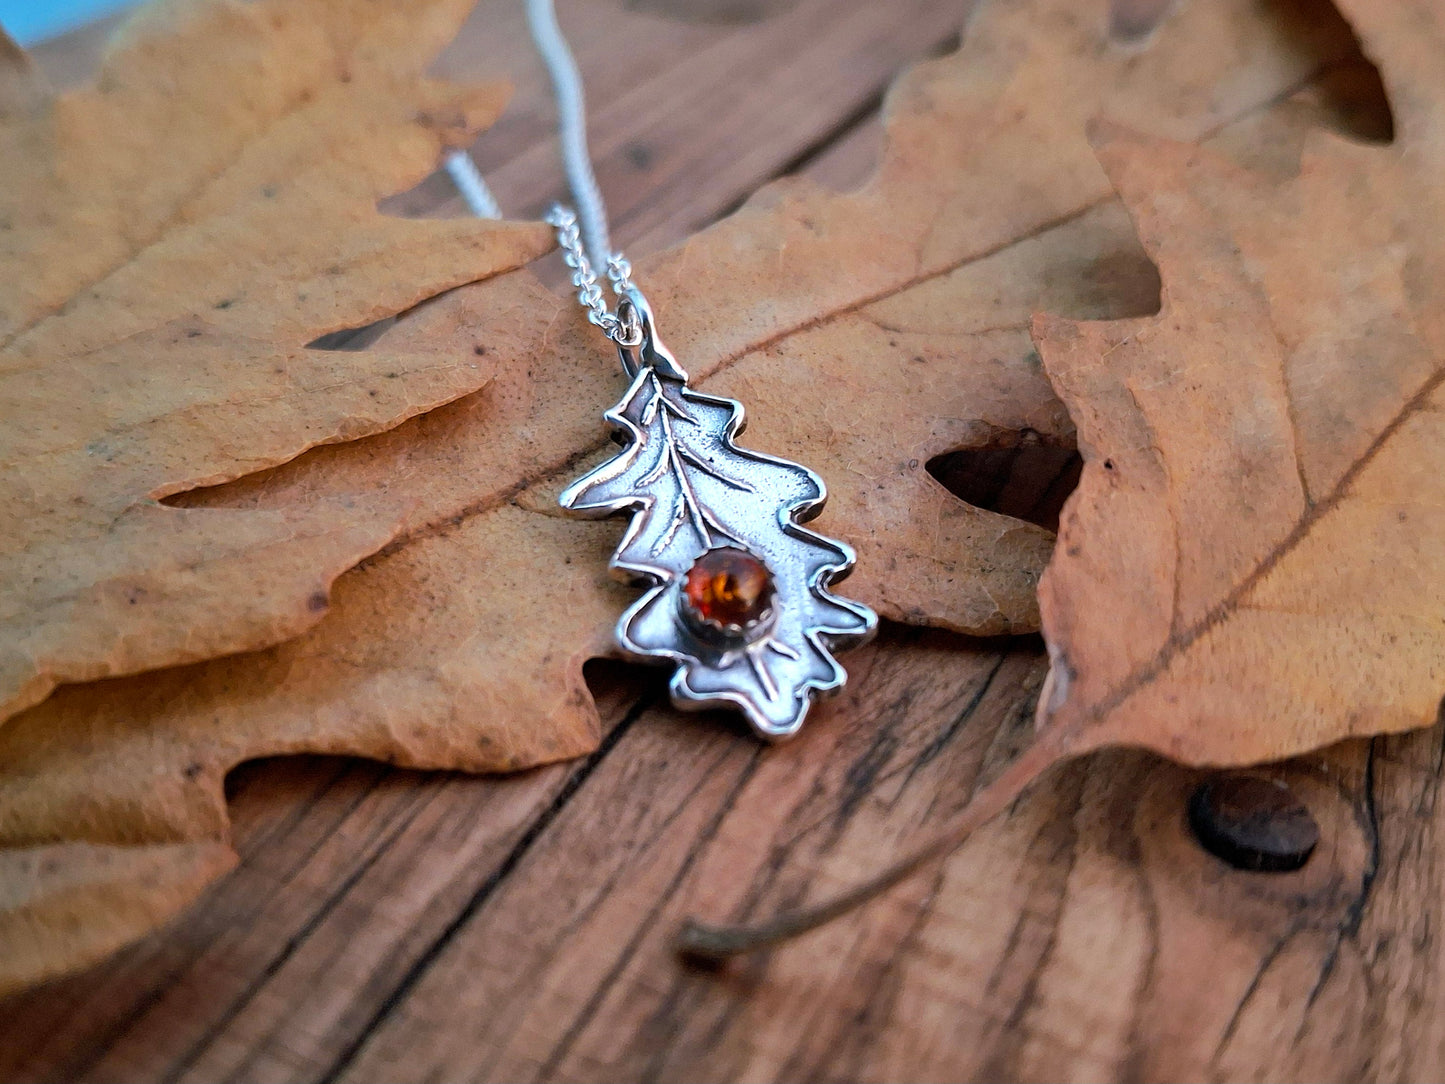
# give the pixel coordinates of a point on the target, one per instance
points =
(1253, 823)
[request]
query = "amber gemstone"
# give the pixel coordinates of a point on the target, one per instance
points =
(729, 588)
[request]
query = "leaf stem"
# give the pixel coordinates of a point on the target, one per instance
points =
(713, 943)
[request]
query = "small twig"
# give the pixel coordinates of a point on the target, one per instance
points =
(703, 942)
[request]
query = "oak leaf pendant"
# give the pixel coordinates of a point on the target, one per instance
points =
(737, 589)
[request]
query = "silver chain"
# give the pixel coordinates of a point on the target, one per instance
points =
(589, 294)
(582, 234)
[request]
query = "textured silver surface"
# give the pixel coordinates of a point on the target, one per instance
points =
(690, 489)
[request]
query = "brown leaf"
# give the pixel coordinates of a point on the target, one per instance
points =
(20, 87)
(172, 239)
(112, 894)
(1253, 564)
(866, 333)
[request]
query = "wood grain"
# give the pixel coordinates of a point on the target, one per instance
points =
(385, 924)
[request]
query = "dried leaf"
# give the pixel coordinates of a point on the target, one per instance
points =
(20, 87)
(172, 239)
(110, 894)
(866, 333)
(1253, 564)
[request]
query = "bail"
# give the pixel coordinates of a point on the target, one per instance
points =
(643, 350)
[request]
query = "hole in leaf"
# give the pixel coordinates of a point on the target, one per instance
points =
(1348, 94)
(1111, 285)
(1029, 480)
(1351, 98)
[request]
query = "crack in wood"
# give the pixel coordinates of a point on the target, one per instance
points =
(484, 892)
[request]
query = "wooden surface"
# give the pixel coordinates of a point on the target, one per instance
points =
(389, 925)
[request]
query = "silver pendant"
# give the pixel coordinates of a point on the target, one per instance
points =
(737, 589)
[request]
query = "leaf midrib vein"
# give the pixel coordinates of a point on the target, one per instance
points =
(1178, 643)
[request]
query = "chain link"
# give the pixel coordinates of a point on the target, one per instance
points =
(582, 233)
(589, 293)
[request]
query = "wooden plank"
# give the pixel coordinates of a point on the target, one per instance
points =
(163, 1003)
(571, 973)
(392, 925)
(687, 119)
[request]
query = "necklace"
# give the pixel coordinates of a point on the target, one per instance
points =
(736, 590)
